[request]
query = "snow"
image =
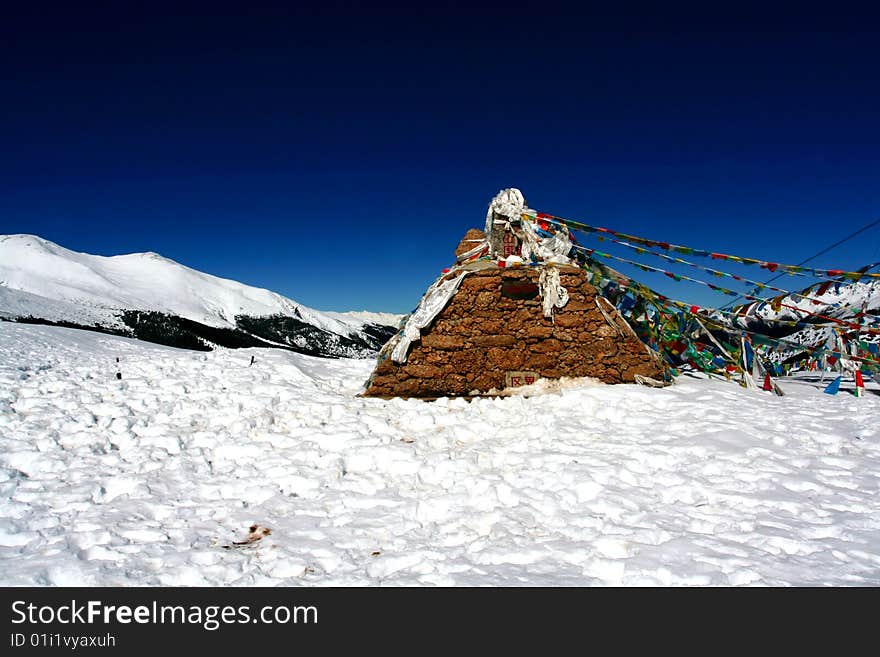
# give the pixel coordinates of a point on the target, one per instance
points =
(360, 318)
(17, 303)
(36, 274)
(144, 480)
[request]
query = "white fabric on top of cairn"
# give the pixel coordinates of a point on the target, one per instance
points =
(549, 249)
(508, 203)
(511, 205)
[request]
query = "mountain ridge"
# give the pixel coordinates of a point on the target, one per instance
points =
(44, 282)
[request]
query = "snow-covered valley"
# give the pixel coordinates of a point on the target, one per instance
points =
(143, 480)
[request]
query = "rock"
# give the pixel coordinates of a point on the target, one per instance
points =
(423, 371)
(479, 283)
(568, 320)
(539, 362)
(502, 340)
(468, 360)
(505, 359)
(537, 331)
(548, 346)
(442, 341)
(469, 241)
(574, 305)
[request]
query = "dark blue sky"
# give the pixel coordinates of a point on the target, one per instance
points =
(337, 157)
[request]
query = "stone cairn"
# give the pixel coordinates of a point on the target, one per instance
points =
(494, 326)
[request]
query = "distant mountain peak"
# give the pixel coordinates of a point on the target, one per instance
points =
(46, 281)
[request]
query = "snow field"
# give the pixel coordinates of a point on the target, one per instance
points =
(142, 481)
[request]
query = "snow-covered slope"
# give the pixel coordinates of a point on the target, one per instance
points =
(18, 303)
(143, 480)
(39, 278)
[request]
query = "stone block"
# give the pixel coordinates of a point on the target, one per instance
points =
(469, 241)
(568, 320)
(547, 346)
(502, 340)
(423, 371)
(538, 331)
(442, 341)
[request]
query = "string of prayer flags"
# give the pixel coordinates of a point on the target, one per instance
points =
(775, 303)
(824, 287)
(763, 264)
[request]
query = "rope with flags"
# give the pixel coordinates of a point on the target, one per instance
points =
(720, 274)
(793, 270)
(774, 303)
(674, 327)
(661, 303)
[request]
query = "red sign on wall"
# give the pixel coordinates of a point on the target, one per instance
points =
(517, 379)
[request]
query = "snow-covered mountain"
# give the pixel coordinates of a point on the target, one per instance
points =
(157, 299)
(838, 300)
(814, 315)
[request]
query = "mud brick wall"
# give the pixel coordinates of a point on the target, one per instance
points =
(481, 335)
